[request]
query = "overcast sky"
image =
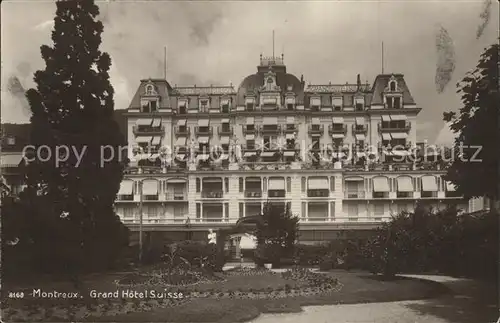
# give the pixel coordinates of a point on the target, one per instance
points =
(220, 42)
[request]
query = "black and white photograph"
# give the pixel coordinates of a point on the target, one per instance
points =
(250, 161)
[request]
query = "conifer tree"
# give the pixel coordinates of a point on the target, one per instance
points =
(72, 218)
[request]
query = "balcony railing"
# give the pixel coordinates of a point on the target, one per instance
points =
(141, 130)
(270, 129)
(337, 129)
(182, 131)
(380, 195)
(276, 193)
(250, 131)
(248, 147)
(316, 129)
(389, 128)
(212, 194)
(318, 193)
(359, 129)
(355, 195)
(225, 131)
(203, 131)
(176, 196)
(125, 197)
(253, 193)
(289, 128)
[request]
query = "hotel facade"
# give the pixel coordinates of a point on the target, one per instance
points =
(341, 156)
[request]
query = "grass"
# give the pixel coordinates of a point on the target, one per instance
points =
(358, 287)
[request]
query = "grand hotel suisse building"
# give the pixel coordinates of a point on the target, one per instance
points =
(269, 132)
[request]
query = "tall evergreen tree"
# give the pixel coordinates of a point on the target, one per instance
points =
(476, 171)
(72, 105)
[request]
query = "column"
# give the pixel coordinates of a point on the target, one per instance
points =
(201, 212)
(329, 215)
(223, 212)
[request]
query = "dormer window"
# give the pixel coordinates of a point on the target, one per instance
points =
(392, 86)
(397, 103)
(315, 104)
(149, 105)
(390, 102)
(359, 103)
(150, 89)
(183, 106)
(203, 105)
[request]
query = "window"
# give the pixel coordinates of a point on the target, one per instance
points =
(359, 106)
(316, 142)
(225, 148)
(225, 127)
(332, 210)
(303, 184)
(389, 102)
(264, 183)
(267, 142)
(250, 127)
(203, 105)
(241, 209)
(397, 103)
(149, 105)
(226, 209)
(152, 211)
(198, 185)
(198, 210)
(304, 209)
(150, 90)
(392, 86)
(379, 209)
(332, 183)
(225, 108)
(250, 106)
(360, 143)
(337, 108)
(226, 184)
(289, 106)
(315, 108)
(128, 212)
(288, 184)
(250, 144)
(241, 184)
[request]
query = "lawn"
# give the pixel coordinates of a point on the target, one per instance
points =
(233, 297)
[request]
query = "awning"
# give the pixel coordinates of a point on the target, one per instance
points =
(386, 118)
(289, 154)
(156, 141)
(399, 135)
(276, 184)
(429, 184)
(337, 120)
(290, 136)
(224, 121)
(224, 140)
(338, 135)
(203, 122)
(126, 188)
(315, 102)
(360, 120)
(354, 179)
(250, 137)
(318, 184)
(203, 140)
(144, 122)
(380, 184)
(156, 122)
(181, 141)
(10, 160)
(450, 187)
(267, 154)
(212, 180)
(250, 120)
(404, 184)
(386, 136)
(150, 187)
(202, 157)
(360, 136)
(181, 122)
(142, 140)
(398, 117)
(268, 101)
(249, 154)
(315, 121)
(182, 103)
(270, 121)
(290, 119)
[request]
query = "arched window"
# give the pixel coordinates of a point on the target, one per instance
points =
(392, 86)
(150, 90)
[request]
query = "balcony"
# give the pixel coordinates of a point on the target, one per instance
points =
(316, 129)
(359, 129)
(270, 129)
(182, 131)
(276, 193)
(125, 198)
(318, 193)
(253, 193)
(337, 129)
(404, 195)
(226, 131)
(148, 130)
(289, 128)
(175, 196)
(355, 195)
(252, 130)
(203, 131)
(388, 127)
(210, 194)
